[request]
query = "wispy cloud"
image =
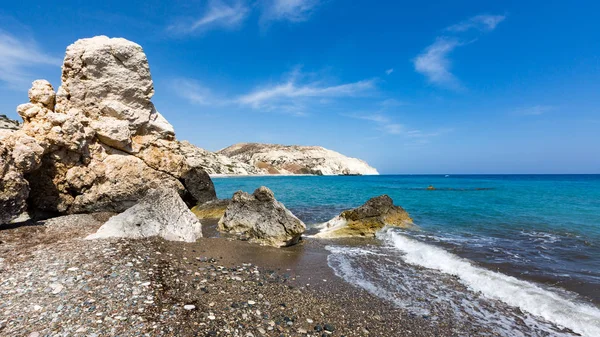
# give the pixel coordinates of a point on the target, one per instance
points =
(297, 95)
(291, 90)
(434, 62)
(481, 22)
(535, 110)
(288, 10)
(217, 15)
(389, 71)
(17, 56)
(292, 96)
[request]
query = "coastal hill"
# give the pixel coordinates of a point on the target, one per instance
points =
(295, 159)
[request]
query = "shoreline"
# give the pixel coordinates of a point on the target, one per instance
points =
(55, 282)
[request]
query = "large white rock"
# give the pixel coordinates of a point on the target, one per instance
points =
(103, 142)
(160, 213)
(295, 159)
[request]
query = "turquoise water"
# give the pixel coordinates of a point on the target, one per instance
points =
(541, 228)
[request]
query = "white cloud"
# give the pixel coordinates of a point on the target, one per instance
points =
(17, 56)
(535, 110)
(288, 97)
(290, 10)
(481, 22)
(218, 14)
(290, 93)
(433, 62)
(389, 71)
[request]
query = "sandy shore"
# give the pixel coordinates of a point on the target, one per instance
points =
(53, 283)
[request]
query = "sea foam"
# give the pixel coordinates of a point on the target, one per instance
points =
(552, 306)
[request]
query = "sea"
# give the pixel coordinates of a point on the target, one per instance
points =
(518, 253)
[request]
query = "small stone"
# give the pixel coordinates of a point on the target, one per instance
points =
(56, 288)
(211, 317)
(189, 307)
(251, 302)
(329, 327)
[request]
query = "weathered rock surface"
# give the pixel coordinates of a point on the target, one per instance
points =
(211, 210)
(216, 164)
(261, 219)
(367, 219)
(161, 212)
(19, 154)
(8, 124)
(295, 159)
(103, 142)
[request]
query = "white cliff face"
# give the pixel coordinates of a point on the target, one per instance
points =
(216, 164)
(281, 159)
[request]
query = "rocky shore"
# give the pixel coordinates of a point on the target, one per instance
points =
(54, 283)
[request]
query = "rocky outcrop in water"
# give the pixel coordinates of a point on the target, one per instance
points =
(160, 213)
(294, 159)
(261, 218)
(211, 210)
(103, 142)
(367, 219)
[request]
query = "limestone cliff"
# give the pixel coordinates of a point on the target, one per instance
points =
(295, 159)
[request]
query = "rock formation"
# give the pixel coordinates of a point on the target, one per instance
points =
(261, 219)
(281, 159)
(19, 154)
(367, 219)
(103, 142)
(161, 212)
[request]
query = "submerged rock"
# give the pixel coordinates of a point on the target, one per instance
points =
(161, 212)
(211, 210)
(261, 218)
(367, 219)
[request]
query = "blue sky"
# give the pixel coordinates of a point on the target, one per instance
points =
(430, 87)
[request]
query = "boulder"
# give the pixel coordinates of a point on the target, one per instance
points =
(261, 219)
(367, 219)
(161, 212)
(211, 210)
(104, 144)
